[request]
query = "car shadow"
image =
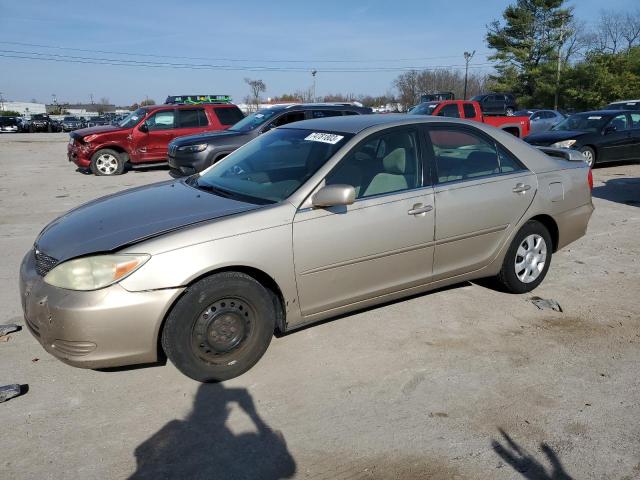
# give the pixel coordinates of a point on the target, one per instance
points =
(203, 446)
(624, 190)
(526, 464)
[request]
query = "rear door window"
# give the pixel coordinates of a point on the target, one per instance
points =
(325, 113)
(228, 115)
(469, 110)
(460, 154)
(192, 118)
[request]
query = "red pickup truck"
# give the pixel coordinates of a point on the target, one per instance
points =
(143, 136)
(469, 110)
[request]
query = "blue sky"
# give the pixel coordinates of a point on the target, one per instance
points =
(360, 34)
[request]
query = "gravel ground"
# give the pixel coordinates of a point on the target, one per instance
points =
(464, 382)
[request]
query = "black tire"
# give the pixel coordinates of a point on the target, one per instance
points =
(198, 336)
(590, 154)
(508, 278)
(99, 162)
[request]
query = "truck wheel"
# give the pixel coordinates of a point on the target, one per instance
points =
(220, 327)
(527, 261)
(107, 162)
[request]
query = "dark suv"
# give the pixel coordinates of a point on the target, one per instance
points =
(40, 122)
(496, 103)
(193, 153)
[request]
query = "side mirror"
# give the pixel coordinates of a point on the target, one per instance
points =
(334, 195)
(144, 127)
(609, 129)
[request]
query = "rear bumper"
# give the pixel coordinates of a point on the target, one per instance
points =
(572, 224)
(109, 327)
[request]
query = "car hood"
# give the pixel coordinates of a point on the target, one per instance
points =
(553, 136)
(128, 217)
(83, 132)
(224, 136)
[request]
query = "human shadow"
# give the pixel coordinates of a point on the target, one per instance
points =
(203, 447)
(525, 464)
(622, 190)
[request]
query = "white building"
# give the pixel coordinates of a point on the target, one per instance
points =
(24, 108)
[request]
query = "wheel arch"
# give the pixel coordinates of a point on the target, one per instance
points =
(116, 147)
(550, 225)
(260, 276)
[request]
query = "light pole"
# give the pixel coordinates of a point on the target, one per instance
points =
(467, 58)
(313, 74)
(1, 102)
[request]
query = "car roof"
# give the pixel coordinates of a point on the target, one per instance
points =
(357, 123)
(606, 112)
(618, 102)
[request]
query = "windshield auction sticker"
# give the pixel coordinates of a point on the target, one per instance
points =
(324, 138)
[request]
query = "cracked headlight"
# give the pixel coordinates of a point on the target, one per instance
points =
(92, 273)
(564, 144)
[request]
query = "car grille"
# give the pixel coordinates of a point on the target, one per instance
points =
(44, 263)
(172, 150)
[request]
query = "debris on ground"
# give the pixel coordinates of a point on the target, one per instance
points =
(9, 328)
(544, 303)
(10, 391)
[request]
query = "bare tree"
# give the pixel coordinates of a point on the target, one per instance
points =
(631, 28)
(256, 87)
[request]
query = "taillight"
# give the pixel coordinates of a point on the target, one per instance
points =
(590, 179)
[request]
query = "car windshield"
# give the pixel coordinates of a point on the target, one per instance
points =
(271, 167)
(8, 121)
(71, 119)
(133, 118)
(584, 122)
(424, 108)
(254, 120)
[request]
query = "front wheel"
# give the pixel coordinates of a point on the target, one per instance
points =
(527, 261)
(589, 155)
(220, 327)
(107, 162)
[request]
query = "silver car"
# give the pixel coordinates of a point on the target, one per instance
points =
(305, 222)
(542, 120)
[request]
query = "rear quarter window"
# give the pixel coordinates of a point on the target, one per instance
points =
(228, 115)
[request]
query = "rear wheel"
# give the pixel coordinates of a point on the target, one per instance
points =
(220, 327)
(107, 162)
(590, 155)
(527, 261)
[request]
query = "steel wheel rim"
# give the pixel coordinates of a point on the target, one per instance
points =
(107, 164)
(531, 258)
(222, 329)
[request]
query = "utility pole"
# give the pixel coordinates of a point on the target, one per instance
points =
(1, 103)
(557, 95)
(313, 74)
(91, 97)
(467, 58)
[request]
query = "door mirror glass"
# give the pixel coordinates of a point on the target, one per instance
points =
(334, 195)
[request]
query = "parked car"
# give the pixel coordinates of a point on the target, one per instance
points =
(188, 155)
(24, 124)
(496, 103)
(142, 137)
(470, 110)
(97, 121)
(40, 122)
(624, 105)
(56, 126)
(601, 136)
(437, 96)
(541, 120)
(371, 207)
(9, 125)
(69, 124)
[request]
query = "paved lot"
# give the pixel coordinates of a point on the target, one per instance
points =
(461, 383)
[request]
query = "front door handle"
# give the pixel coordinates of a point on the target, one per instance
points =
(521, 188)
(418, 208)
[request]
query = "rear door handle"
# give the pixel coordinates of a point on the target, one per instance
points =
(521, 188)
(419, 208)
